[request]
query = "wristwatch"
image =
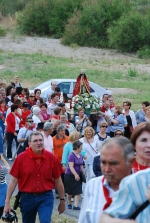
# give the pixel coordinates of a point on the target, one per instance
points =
(62, 199)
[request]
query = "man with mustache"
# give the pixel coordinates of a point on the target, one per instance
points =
(116, 157)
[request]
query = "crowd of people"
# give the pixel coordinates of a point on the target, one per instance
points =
(82, 155)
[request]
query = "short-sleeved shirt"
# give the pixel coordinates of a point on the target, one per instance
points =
(131, 195)
(122, 121)
(33, 178)
(139, 116)
(47, 93)
(50, 109)
(82, 126)
(59, 146)
(78, 162)
(24, 133)
(48, 142)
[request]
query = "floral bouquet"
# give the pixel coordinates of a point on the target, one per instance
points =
(86, 101)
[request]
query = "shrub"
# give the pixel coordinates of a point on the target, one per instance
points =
(61, 12)
(144, 52)
(9, 7)
(35, 18)
(89, 28)
(132, 72)
(130, 32)
(45, 17)
(3, 32)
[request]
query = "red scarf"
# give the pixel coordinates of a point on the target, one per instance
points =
(136, 167)
(32, 155)
(106, 194)
(30, 128)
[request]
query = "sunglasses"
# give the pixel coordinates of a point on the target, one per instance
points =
(118, 134)
(30, 121)
(32, 96)
(103, 126)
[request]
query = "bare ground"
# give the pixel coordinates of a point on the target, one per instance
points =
(103, 59)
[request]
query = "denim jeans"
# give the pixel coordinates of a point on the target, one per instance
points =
(31, 204)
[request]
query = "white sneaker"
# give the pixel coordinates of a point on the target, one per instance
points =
(10, 159)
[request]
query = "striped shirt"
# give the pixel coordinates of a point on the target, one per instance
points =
(94, 200)
(131, 195)
(3, 172)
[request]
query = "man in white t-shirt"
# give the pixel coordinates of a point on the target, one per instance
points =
(53, 104)
(48, 140)
(50, 91)
(24, 132)
(117, 157)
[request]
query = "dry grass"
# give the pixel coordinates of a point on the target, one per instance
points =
(56, 218)
(8, 23)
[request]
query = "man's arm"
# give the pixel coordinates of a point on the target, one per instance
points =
(12, 184)
(60, 188)
(105, 218)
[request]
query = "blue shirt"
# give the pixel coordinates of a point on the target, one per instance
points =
(139, 116)
(131, 195)
(122, 121)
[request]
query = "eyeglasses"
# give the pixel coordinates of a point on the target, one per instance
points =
(118, 134)
(103, 126)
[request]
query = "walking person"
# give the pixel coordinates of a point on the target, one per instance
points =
(72, 179)
(4, 169)
(12, 121)
(91, 147)
(37, 172)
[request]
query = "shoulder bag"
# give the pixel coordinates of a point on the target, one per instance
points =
(91, 146)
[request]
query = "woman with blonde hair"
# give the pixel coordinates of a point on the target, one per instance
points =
(147, 115)
(91, 147)
(101, 135)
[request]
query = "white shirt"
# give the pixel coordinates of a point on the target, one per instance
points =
(21, 133)
(90, 153)
(48, 143)
(17, 120)
(94, 200)
(36, 119)
(50, 109)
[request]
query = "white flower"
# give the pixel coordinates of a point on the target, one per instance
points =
(88, 106)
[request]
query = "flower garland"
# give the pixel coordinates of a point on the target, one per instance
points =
(87, 101)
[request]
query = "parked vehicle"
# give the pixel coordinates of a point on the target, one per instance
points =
(67, 86)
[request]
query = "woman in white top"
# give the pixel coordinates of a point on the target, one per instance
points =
(91, 146)
(101, 135)
(37, 117)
